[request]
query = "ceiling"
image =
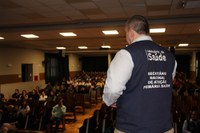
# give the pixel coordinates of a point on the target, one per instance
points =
(87, 18)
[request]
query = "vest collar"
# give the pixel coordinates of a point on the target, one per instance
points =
(142, 38)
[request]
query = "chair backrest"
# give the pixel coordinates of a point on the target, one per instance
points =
(70, 102)
(80, 103)
(79, 99)
(84, 127)
(89, 126)
(93, 96)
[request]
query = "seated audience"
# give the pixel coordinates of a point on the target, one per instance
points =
(34, 95)
(37, 88)
(8, 128)
(51, 100)
(61, 90)
(16, 94)
(14, 115)
(192, 125)
(64, 82)
(9, 114)
(56, 87)
(23, 96)
(43, 96)
(71, 89)
(57, 113)
(2, 98)
(48, 88)
(9, 119)
(22, 113)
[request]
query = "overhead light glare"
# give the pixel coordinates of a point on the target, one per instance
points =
(29, 36)
(183, 44)
(110, 32)
(105, 46)
(67, 34)
(1, 38)
(82, 47)
(60, 48)
(157, 30)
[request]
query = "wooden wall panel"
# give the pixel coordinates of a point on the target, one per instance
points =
(41, 76)
(13, 78)
(74, 73)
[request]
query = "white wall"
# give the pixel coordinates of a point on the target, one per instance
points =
(12, 58)
(74, 63)
(10, 63)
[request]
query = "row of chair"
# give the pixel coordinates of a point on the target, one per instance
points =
(40, 113)
(75, 103)
(102, 121)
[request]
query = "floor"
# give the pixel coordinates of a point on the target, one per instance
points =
(74, 127)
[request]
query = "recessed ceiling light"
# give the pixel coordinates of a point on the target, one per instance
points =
(82, 47)
(29, 36)
(183, 44)
(105, 46)
(157, 30)
(67, 34)
(60, 48)
(2, 38)
(110, 32)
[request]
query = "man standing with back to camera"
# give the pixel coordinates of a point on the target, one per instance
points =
(139, 82)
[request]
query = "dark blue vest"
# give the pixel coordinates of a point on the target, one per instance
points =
(144, 107)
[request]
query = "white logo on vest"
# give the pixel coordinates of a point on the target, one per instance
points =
(155, 55)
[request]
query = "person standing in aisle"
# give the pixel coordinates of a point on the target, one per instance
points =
(139, 82)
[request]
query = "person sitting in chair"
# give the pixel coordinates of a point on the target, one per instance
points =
(192, 125)
(57, 112)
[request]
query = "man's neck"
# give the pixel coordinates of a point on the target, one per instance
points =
(141, 37)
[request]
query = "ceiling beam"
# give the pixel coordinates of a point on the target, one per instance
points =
(178, 20)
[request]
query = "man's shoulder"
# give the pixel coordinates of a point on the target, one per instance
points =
(63, 106)
(55, 106)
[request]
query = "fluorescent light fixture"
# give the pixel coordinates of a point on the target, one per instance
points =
(157, 30)
(105, 46)
(60, 48)
(29, 36)
(68, 34)
(1, 38)
(110, 32)
(82, 47)
(183, 44)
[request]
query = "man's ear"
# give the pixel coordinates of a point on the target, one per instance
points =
(132, 34)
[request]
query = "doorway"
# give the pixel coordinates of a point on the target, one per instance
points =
(27, 72)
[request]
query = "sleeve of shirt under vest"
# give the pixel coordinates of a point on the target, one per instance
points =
(174, 72)
(118, 74)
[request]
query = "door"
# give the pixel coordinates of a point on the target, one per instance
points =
(27, 72)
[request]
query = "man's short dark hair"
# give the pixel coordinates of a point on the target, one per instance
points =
(139, 24)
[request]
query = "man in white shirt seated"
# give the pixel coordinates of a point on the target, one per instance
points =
(57, 112)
